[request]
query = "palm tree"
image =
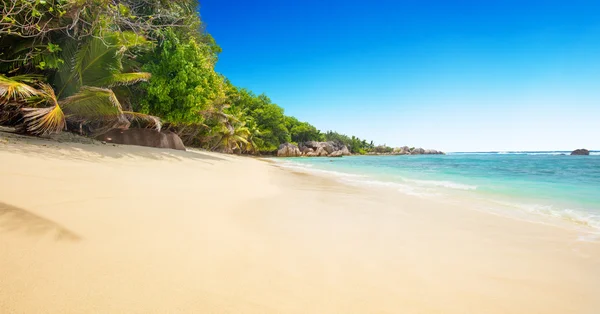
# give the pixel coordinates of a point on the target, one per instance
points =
(91, 68)
(253, 140)
(232, 138)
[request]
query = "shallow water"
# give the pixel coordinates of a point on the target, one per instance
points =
(546, 184)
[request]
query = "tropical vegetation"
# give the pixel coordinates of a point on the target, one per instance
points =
(88, 66)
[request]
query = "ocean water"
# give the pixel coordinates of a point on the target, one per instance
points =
(545, 185)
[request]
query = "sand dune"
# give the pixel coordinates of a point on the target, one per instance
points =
(92, 228)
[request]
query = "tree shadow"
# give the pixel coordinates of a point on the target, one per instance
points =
(16, 219)
(85, 149)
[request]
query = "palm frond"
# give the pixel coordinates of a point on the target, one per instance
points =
(16, 88)
(41, 121)
(44, 97)
(44, 120)
(152, 121)
(122, 79)
(92, 102)
(239, 138)
(97, 61)
(95, 104)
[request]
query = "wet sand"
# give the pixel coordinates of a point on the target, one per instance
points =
(92, 228)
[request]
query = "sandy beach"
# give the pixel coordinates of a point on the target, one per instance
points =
(94, 228)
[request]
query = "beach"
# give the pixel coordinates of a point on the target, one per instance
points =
(101, 228)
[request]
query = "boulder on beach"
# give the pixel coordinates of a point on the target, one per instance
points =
(288, 150)
(581, 151)
(143, 137)
(345, 151)
(337, 153)
(321, 152)
(305, 150)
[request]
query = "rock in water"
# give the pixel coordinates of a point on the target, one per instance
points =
(288, 150)
(581, 151)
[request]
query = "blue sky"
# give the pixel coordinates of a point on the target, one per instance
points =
(451, 75)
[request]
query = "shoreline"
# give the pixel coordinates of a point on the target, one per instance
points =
(468, 194)
(103, 228)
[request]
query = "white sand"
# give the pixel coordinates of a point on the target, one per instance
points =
(91, 228)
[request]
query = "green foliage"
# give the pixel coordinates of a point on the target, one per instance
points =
(184, 82)
(95, 64)
(355, 144)
(269, 118)
(302, 131)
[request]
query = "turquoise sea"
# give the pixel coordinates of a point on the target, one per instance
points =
(551, 186)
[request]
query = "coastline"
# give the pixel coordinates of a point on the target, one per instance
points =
(103, 228)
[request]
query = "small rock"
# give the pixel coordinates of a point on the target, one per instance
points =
(581, 151)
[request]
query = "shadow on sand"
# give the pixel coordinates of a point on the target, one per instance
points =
(85, 149)
(16, 219)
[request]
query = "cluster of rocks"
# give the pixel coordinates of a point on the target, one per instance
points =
(313, 149)
(405, 150)
(335, 149)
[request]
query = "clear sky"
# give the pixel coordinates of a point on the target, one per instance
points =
(451, 75)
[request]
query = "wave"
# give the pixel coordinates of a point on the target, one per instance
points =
(309, 168)
(444, 184)
(577, 216)
(421, 188)
(402, 188)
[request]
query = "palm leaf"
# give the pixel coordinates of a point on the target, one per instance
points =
(16, 88)
(239, 138)
(97, 59)
(95, 104)
(44, 120)
(121, 79)
(91, 102)
(152, 121)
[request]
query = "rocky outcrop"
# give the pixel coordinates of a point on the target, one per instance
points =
(288, 150)
(345, 151)
(335, 149)
(404, 150)
(417, 151)
(337, 153)
(321, 152)
(581, 151)
(313, 149)
(324, 149)
(143, 137)
(409, 151)
(306, 150)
